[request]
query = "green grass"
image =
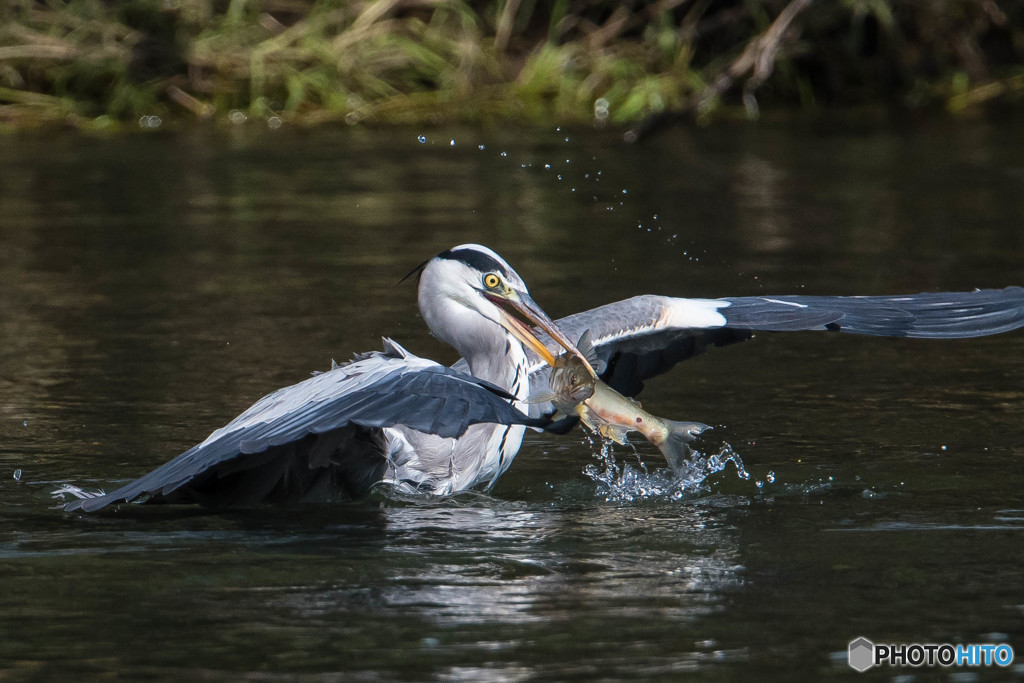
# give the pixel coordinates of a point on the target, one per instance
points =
(94, 63)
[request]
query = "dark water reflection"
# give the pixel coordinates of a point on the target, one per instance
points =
(155, 286)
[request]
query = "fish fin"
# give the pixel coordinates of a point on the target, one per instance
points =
(676, 446)
(586, 346)
(541, 397)
(615, 433)
(587, 417)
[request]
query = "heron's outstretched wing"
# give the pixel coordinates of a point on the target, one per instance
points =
(329, 422)
(645, 336)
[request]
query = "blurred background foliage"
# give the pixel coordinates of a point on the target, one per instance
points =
(97, 63)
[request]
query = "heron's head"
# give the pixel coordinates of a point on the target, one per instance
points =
(468, 294)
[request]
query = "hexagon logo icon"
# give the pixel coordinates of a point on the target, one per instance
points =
(862, 654)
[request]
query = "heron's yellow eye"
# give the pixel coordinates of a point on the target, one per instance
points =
(491, 281)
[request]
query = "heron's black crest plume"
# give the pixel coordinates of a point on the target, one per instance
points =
(417, 271)
(475, 259)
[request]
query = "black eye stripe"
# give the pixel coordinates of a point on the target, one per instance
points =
(475, 259)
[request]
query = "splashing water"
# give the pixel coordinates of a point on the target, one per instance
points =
(624, 483)
(76, 492)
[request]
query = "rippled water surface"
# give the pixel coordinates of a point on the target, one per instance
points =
(153, 286)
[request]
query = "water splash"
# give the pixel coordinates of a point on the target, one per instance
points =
(76, 492)
(623, 483)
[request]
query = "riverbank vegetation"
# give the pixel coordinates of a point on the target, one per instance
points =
(96, 63)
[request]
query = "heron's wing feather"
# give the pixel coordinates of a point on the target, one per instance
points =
(930, 315)
(375, 391)
(645, 336)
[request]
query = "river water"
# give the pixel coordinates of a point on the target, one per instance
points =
(155, 285)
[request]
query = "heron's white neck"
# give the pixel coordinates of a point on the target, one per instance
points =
(492, 353)
(506, 366)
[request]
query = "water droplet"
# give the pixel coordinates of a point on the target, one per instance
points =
(451, 143)
(504, 154)
(625, 191)
(274, 122)
(25, 423)
(422, 139)
(759, 484)
(481, 147)
(237, 117)
(770, 478)
(547, 167)
(17, 475)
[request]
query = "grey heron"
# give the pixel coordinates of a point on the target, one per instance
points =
(392, 418)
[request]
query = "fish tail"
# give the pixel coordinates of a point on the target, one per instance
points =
(676, 445)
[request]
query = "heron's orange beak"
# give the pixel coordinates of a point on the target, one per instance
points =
(512, 301)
